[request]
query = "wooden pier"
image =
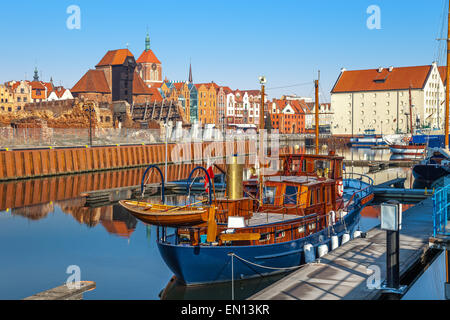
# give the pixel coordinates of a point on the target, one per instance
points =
(347, 272)
(63, 292)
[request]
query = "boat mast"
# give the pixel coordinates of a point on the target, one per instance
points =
(447, 92)
(262, 80)
(410, 112)
(316, 85)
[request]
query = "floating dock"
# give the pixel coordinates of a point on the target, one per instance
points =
(64, 292)
(347, 272)
(382, 164)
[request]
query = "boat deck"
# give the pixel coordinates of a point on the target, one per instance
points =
(260, 218)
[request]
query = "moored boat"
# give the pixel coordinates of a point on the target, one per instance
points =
(368, 140)
(306, 205)
(161, 214)
(434, 166)
(408, 149)
(165, 215)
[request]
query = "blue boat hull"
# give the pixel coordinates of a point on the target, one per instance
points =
(194, 265)
(432, 140)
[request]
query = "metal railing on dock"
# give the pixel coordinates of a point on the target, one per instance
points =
(441, 223)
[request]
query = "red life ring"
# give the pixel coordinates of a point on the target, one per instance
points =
(406, 139)
(340, 188)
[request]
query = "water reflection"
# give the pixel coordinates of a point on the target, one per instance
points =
(57, 231)
(221, 291)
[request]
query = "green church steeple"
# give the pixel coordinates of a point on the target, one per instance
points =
(36, 74)
(147, 42)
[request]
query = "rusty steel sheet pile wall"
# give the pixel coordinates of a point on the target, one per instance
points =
(31, 192)
(32, 163)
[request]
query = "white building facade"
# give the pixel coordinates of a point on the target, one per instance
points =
(380, 99)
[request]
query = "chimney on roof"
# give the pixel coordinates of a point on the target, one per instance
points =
(391, 68)
(380, 69)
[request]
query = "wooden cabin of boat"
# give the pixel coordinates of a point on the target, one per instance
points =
(297, 202)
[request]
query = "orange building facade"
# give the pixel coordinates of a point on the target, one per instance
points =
(207, 102)
(288, 116)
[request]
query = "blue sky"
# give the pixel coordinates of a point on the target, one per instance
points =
(230, 42)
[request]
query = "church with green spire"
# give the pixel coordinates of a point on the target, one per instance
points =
(149, 67)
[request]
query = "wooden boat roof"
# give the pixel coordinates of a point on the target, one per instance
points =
(301, 180)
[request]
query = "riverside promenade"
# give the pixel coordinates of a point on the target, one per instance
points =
(346, 272)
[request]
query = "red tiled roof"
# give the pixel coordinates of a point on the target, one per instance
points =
(92, 81)
(148, 57)
(299, 107)
(227, 90)
(443, 73)
(252, 92)
(59, 91)
(49, 87)
(115, 57)
(371, 80)
(14, 86)
(156, 95)
(178, 85)
(37, 85)
(207, 85)
(139, 86)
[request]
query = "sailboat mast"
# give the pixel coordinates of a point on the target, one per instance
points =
(261, 142)
(316, 84)
(447, 89)
(410, 112)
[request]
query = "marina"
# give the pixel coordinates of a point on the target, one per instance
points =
(262, 179)
(120, 225)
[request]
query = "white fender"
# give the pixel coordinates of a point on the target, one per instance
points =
(322, 250)
(345, 237)
(334, 242)
(310, 255)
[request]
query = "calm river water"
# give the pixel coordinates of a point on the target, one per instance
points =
(39, 242)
